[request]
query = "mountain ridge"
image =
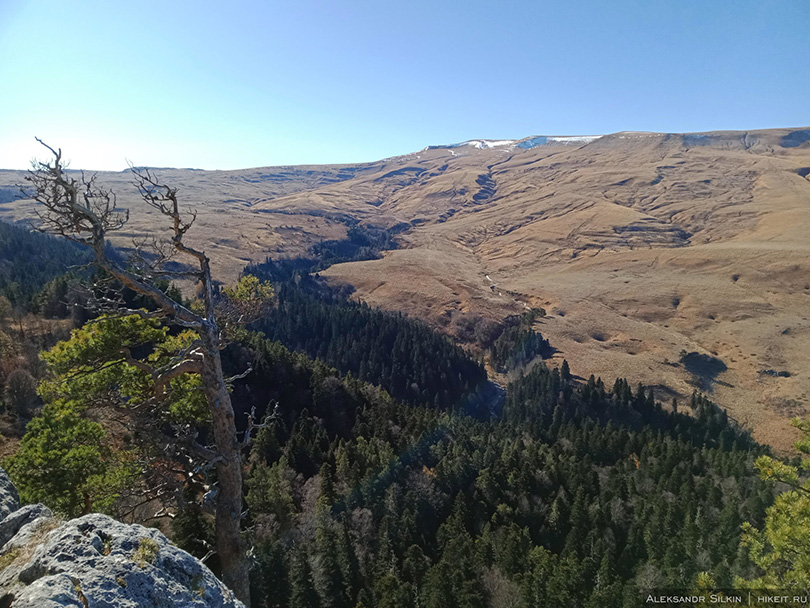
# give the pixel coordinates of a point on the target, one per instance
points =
(640, 246)
(795, 137)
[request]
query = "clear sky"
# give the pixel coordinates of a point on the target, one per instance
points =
(223, 85)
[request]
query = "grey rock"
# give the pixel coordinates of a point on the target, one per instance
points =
(9, 499)
(14, 522)
(58, 591)
(97, 561)
(16, 552)
(31, 533)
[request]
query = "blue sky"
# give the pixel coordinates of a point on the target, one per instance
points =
(210, 84)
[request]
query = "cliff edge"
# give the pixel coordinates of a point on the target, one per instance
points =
(95, 561)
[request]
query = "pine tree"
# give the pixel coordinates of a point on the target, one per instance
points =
(302, 589)
(565, 371)
(64, 461)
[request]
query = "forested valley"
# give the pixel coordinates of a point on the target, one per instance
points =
(389, 471)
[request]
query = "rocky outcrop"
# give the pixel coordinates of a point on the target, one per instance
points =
(17, 520)
(9, 500)
(96, 562)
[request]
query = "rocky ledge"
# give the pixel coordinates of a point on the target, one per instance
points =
(95, 562)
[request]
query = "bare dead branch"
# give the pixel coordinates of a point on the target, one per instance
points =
(252, 425)
(208, 556)
(183, 367)
(84, 211)
(141, 365)
(230, 380)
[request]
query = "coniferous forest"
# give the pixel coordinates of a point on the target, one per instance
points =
(578, 495)
(374, 482)
(408, 359)
(404, 305)
(30, 260)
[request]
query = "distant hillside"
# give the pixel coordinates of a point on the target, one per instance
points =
(642, 247)
(29, 259)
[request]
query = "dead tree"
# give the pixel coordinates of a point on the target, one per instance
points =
(83, 211)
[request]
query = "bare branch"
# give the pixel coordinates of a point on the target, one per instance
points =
(251, 423)
(189, 360)
(244, 374)
(163, 198)
(85, 212)
(201, 452)
(160, 514)
(144, 367)
(186, 366)
(150, 257)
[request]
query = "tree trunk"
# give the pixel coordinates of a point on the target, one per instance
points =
(85, 212)
(230, 547)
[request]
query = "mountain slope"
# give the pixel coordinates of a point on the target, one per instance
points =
(641, 246)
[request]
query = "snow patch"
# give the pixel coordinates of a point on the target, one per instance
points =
(544, 140)
(526, 143)
(483, 144)
(574, 139)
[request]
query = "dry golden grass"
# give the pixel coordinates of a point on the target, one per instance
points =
(639, 250)
(639, 246)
